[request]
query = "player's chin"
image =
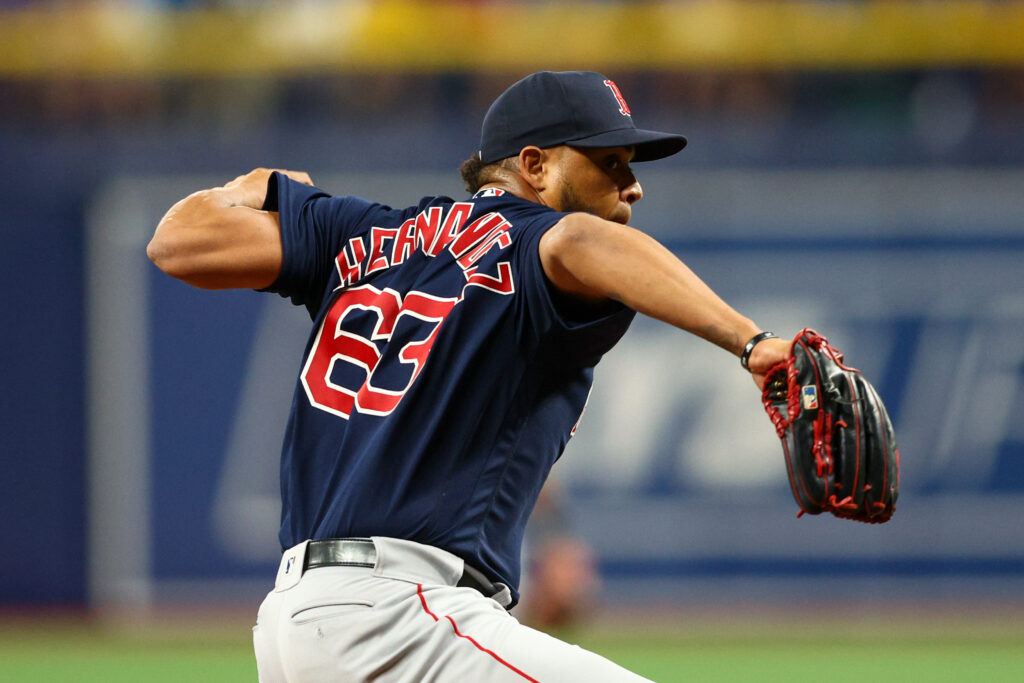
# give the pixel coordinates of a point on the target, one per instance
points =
(621, 213)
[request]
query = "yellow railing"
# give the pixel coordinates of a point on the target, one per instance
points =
(124, 39)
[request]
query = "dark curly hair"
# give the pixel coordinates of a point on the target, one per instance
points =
(476, 173)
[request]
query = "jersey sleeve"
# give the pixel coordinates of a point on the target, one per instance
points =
(574, 332)
(314, 228)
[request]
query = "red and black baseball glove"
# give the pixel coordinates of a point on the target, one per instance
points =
(840, 449)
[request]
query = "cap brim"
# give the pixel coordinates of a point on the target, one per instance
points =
(649, 144)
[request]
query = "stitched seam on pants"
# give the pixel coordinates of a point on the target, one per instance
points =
(423, 601)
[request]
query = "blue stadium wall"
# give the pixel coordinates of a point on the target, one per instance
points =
(919, 282)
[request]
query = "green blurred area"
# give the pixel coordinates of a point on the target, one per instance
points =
(690, 647)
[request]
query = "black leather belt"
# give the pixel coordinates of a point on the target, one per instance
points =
(360, 552)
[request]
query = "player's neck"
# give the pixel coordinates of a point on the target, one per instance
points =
(516, 185)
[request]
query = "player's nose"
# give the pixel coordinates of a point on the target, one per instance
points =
(632, 193)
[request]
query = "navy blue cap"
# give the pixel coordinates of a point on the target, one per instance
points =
(575, 108)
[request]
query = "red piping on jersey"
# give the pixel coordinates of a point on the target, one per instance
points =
(423, 601)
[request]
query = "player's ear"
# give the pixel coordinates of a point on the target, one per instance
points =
(534, 166)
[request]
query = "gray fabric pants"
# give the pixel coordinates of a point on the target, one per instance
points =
(405, 621)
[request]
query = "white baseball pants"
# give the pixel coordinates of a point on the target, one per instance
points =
(405, 621)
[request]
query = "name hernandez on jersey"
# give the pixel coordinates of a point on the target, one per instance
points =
(432, 231)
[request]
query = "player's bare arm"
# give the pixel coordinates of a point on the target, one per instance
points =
(592, 258)
(219, 238)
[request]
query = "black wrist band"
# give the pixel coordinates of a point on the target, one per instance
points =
(754, 341)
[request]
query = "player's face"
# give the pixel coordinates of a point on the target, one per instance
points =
(598, 181)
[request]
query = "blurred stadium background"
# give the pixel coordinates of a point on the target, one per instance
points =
(855, 166)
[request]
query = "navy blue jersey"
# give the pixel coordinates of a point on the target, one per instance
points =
(443, 376)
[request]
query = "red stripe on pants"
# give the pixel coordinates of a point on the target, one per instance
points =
(423, 601)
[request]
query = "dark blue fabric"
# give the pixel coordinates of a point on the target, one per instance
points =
(577, 108)
(459, 461)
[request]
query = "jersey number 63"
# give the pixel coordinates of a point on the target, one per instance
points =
(418, 315)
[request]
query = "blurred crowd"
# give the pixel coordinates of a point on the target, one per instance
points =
(886, 113)
(935, 113)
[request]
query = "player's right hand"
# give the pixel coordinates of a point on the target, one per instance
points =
(251, 189)
(765, 356)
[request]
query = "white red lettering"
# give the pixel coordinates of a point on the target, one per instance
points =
(405, 242)
(457, 217)
(498, 236)
(477, 231)
(428, 224)
(431, 231)
(377, 259)
(350, 269)
(503, 284)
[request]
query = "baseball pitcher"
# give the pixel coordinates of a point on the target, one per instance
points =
(451, 355)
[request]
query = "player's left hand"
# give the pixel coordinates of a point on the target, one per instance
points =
(837, 438)
(766, 355)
